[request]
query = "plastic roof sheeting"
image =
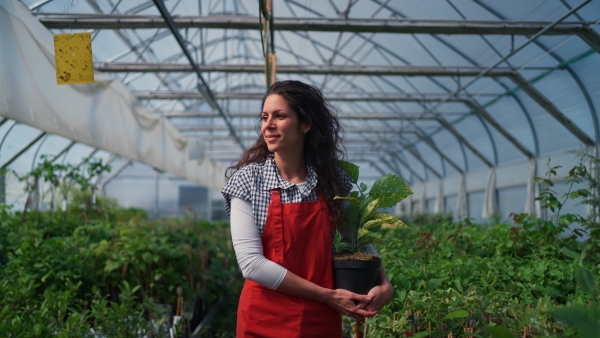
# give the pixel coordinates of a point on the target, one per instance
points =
(103, 114)
(452, 87)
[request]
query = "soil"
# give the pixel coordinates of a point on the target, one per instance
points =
(361, 256)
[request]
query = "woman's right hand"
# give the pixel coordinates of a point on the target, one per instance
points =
(350, 304)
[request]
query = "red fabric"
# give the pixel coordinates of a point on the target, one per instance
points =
(298, 236)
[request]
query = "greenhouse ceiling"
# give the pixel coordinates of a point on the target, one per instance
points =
(425, 89)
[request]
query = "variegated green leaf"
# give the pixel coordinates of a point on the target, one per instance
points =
(362, 232)
(389, 219)
(370, 240)
(369, 211)
(373, 223)
(389, 189)
(355, 201)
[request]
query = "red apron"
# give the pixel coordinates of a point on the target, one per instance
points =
(297, 236)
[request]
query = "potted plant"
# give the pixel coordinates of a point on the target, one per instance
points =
(355, 270)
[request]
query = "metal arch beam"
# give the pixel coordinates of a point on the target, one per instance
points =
(545, 103)
(259, 96)
(254, 115)
(471, 104)
(418, 157)
(425, 139)
(94, 5)
(514, 51)
(485, 115)
(18, 154)
(405, 98)
(201, 85)
(113, 175)
(405, 71)
(399, 159)
(65, 149)
(575, 76)
(392, 53)
(393, 168)
(590, 37)
(250, 128)
(402, 26)
(370, 162)
(462, 139)
(253, 138)
(483, 73)
(37, 151)
(124, 67)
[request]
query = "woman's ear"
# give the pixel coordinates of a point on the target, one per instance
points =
(306, 127)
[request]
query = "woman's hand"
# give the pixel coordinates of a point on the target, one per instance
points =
(380, 295)
(343, 301)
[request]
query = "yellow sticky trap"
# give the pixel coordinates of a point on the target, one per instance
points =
(73, 53)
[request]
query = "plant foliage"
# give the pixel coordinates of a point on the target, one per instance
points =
(532, 276)
(363, 219)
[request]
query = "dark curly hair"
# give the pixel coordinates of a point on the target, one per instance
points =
(322, 144)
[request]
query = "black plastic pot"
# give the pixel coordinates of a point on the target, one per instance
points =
(357, 276)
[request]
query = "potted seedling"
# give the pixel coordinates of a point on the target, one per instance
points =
(355, 270)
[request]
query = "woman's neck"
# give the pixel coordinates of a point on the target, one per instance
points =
(292, 168)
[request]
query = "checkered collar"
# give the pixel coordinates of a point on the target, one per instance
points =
(273, 180)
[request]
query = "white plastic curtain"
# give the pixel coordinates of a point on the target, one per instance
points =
(423, 200)
(531, 205)
(489, 201)
(103, 114)
(592, 168)
(439, 199)
(461, 201)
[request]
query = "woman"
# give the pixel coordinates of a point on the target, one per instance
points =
(282, 211)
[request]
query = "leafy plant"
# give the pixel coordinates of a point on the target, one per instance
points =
(362, 219)
(585, 318)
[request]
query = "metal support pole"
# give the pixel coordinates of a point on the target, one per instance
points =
(201, 85)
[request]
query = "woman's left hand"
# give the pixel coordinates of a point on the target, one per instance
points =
(380, 296)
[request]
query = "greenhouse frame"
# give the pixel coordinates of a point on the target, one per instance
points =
(466, 101)
(474, 125)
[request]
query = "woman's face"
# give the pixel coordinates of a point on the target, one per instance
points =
(280, 126)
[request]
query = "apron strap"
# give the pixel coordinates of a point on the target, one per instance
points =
(277, 224)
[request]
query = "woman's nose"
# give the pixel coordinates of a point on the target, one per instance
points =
(270, 122)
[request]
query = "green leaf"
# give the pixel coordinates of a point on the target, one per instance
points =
(362, 232)
(580, 317)
(434, 282)
(567, 219)
(373, 223)
(586, 280)
(423, 334)
(580, 192)
(369, 211)
(389, 189)
(363, 187)
(355, 201)
(499, 332)
(370, 240)
(570, 253)
(389, 219)
(350, 168)
(456, 314)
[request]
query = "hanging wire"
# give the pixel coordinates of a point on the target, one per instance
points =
(260, 29)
